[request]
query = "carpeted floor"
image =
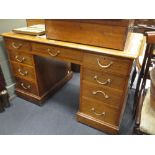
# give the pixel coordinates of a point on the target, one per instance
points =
(56, 117)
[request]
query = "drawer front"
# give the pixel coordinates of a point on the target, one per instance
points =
(22, 58)
(102, 79)
(106, 95)
(18, 45)
(26, 86)
(100, 111)
(23, 71)
(54, 51)
(107, 64)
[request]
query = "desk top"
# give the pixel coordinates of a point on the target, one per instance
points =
(131, 50)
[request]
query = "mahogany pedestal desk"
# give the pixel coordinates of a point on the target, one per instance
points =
(104, 74)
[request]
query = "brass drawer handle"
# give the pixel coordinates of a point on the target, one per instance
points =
(98, 114)
(25, 87)
(104, 66)
(14, 45)
(51, 54)
(19, 59)
(102, 83)
(23, 73)
(99, 91)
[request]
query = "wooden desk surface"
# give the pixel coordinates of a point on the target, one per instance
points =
(104, 77)
(131, 50)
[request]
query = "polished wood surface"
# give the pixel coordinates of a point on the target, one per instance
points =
(97, 123)
(90, 33)
(52, 70)
(17, 45)
(106, 95)
(58, 52)
(114, 22)
(150, 37)
(23, 71)
(36, 77)
(102, 79)
(107, 64)
(130, 51)
(26, 86)
(21, 57)
(100, 111)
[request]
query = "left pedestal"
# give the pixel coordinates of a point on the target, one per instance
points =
(36, 77)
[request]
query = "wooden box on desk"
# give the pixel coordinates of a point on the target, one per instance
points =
(103, 33)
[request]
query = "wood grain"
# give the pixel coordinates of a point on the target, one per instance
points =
(26, 86)
(119, 66)
(88, 33)
(114, 97)
(31, 22)
(52, 72)
(116, 82)
(96, 123)
(21, 57)
(17, 44)
(130, 51)
(23, 71)
(57, 52)
(111, 115)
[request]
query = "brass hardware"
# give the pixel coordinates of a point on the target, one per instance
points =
(18, 58)
(98, 114)
(23, 73)
(68, 72)
(51, 54)
(104, 66)
(25, 87)
(99, 91)
(102, 83)
(14, 45)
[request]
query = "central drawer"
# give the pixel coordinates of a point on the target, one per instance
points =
(55, 51)
(100, 111)
(107, 64)
(106, 95)
(23, 71)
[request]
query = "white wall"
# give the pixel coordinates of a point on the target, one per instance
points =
(7, 25)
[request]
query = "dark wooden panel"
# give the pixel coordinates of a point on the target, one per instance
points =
(49, 72)
(26, 86)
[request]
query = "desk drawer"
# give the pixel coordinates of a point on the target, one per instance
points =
(107, 64)
(100, 111)
(22, 58)
(103, 79)
(26, 86)
(23, 71)
(106, 95)
(55, 51)
(18, 45)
